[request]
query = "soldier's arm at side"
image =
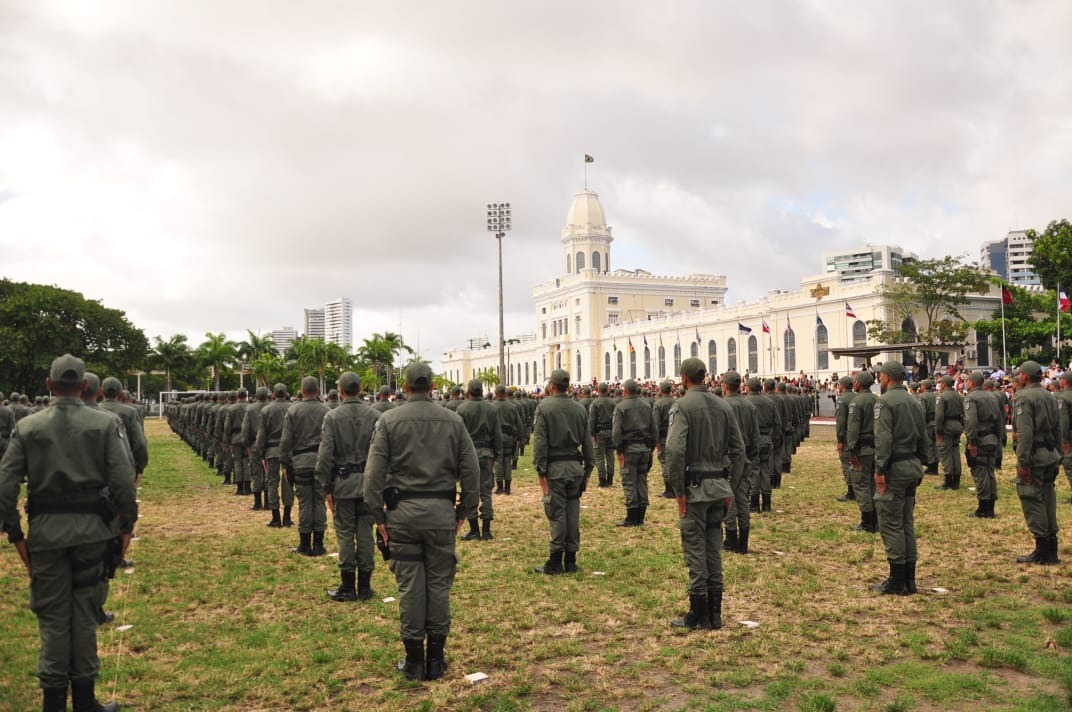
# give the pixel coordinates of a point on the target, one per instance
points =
(676, 441)
(1025, 436)
(539, 446)
(120, 469)
(468, 477)
(286, 442)
(379, 459)
(325, 454)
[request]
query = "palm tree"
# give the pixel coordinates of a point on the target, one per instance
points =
(487, 376)
(217, 353)
(267, 368)
(316, 355)
(173, 354)
(389, 345)
(378, 354)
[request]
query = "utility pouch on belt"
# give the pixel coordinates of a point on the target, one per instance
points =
(391, 497)
(344, 471)
(113, 556)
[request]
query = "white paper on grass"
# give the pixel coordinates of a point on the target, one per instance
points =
(599, 573)
(124, 628)
(389, 599)
(128, 571)
(475, 677)
(940, 590)
(779, 553)
(334, 555)
(750, 624)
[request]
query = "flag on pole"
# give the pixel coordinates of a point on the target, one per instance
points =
(788, 326)
(849, 312)
(697, 334)
(660, 341)
(631, 349)
(589, 159)
(1006, 295)
(614, 346)
(743, 329)
(645, 341)
(818, 320)
(766, 328)
(1063, 302)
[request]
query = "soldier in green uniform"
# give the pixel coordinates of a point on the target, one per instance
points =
(340, 470)
(790, 416)
(600, 422)
(769, 420)
(266, 449)
(132, 424)
(482, 422)
(860, 444)
(991, 387)
(634, 434)
(703, 450)
(948, 427)
(247, 439)
(900, 449)
(455, 398)
(512, 425)
(419, 454)
(383, 400)
(1064, 409)
(72, 458)
(232, 438)
(738, 523)
(332, 401)
(298, 447)
(929, 400)
(1036, 423)
(661, 410)
(841, 434)
(983, 428)
(562, 455)
(7, 425)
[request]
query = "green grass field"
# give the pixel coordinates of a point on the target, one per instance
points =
(224, 617)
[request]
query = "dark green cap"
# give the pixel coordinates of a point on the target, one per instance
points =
(349, 382)
(386, 390)
(560, 379)
(845, 381)
(475, 388)
(111, 386)
(896, 371)
(500, 388)
(732, 379)
(310, 385)
(865, 379)
(693, 369)
(1032, 368)
(1067, 376)
(630, 386)
(666, 386)
(419, 375)
(66, 370)
(946, 380)
(976, 377)
(280, 389)
(92, 383)
(755, 384)
(262, 391)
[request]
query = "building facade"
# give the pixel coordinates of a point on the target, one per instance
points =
(314, 324)
(339, 322)
(283, 338)
(609, 324)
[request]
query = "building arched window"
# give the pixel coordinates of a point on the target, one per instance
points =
(632, 364)
(982, 348)
(822, 346)
(569, 267)
(908, 332)
(662, 362)
(731, 355)
(677, 358)
(694, 350)
(647, 362)
(789, 343)
(606, 366)
(712, 356)
(577, 375)
(580, 262)
(527, 373)
(619, 365)
(753, 354)
(859, 338)
(595, 261)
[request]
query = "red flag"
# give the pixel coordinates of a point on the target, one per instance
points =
(766, 328)
(1006, 295)
(849, 312)
(1064, 303)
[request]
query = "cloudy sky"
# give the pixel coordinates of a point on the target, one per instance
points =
(218, 166)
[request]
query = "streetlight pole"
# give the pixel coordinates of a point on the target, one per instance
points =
(499, 222)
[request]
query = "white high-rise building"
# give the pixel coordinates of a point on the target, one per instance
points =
(283, 338)
(314, 324)
(339, 322)
(1018, 253)
(857, 264)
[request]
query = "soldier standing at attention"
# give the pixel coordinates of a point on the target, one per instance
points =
(266, 449)
(7, 424)
(929, 401)
(455, 398)
(634, 435)
(600, 422)
(841, 429)
(661, 410)
(983, 428)
(703, 449)
(247, 438)
(738, 522)
(900, 448)
(232, 435)
(860, 444)
(1036, 423)
(340, 470)
(562, 455)
(770, 440)
(383, 400)
(298, 447)
(948, 427)
(1064, 409)
(481, 420)
(419, 454)
(132, 424)
(512, 424)
(68, 454)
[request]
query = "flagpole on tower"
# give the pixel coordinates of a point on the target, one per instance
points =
(587, 159)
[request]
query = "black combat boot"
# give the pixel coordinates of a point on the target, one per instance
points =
(506, 486)
(346, 590)
(85, 700)
(910, 577)
(304, 548)
(54, 699)
(240, 489)
(990, 507)
(553, 565)
(753, 504)
(276, 522)
(640, 513)
(776, 480)
(730, 542)
(499, 487)
(714, 607)
(485, 535)
(474, 531)
(955, 482)
(849, 495)
(1041, 545)
(318, 545)
(932, 469)
(364, 585)
(437, 660)
(742, 540)
(980, 511)
(570, 562)
(226, 476)
(1053, 550)
(895, 584)
(766, 506)
(630, 518)
(287, 521)
(697, 617)
(212, 462)
(256, 502)
(412, 668)
(947, 483)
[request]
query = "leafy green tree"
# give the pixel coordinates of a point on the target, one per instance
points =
(378, 353)
(1030, 324)
(1051, 255)
(934, 290)
(171, 355)
(217, 354)
(487, 376)
(38, 323)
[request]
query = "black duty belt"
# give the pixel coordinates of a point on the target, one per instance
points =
(603, 428)
(305, 451)
(866, 442)
(33, 508)
(627, 443)
(903, 457)
(274, 443)
(435, 494)
(568, 457)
